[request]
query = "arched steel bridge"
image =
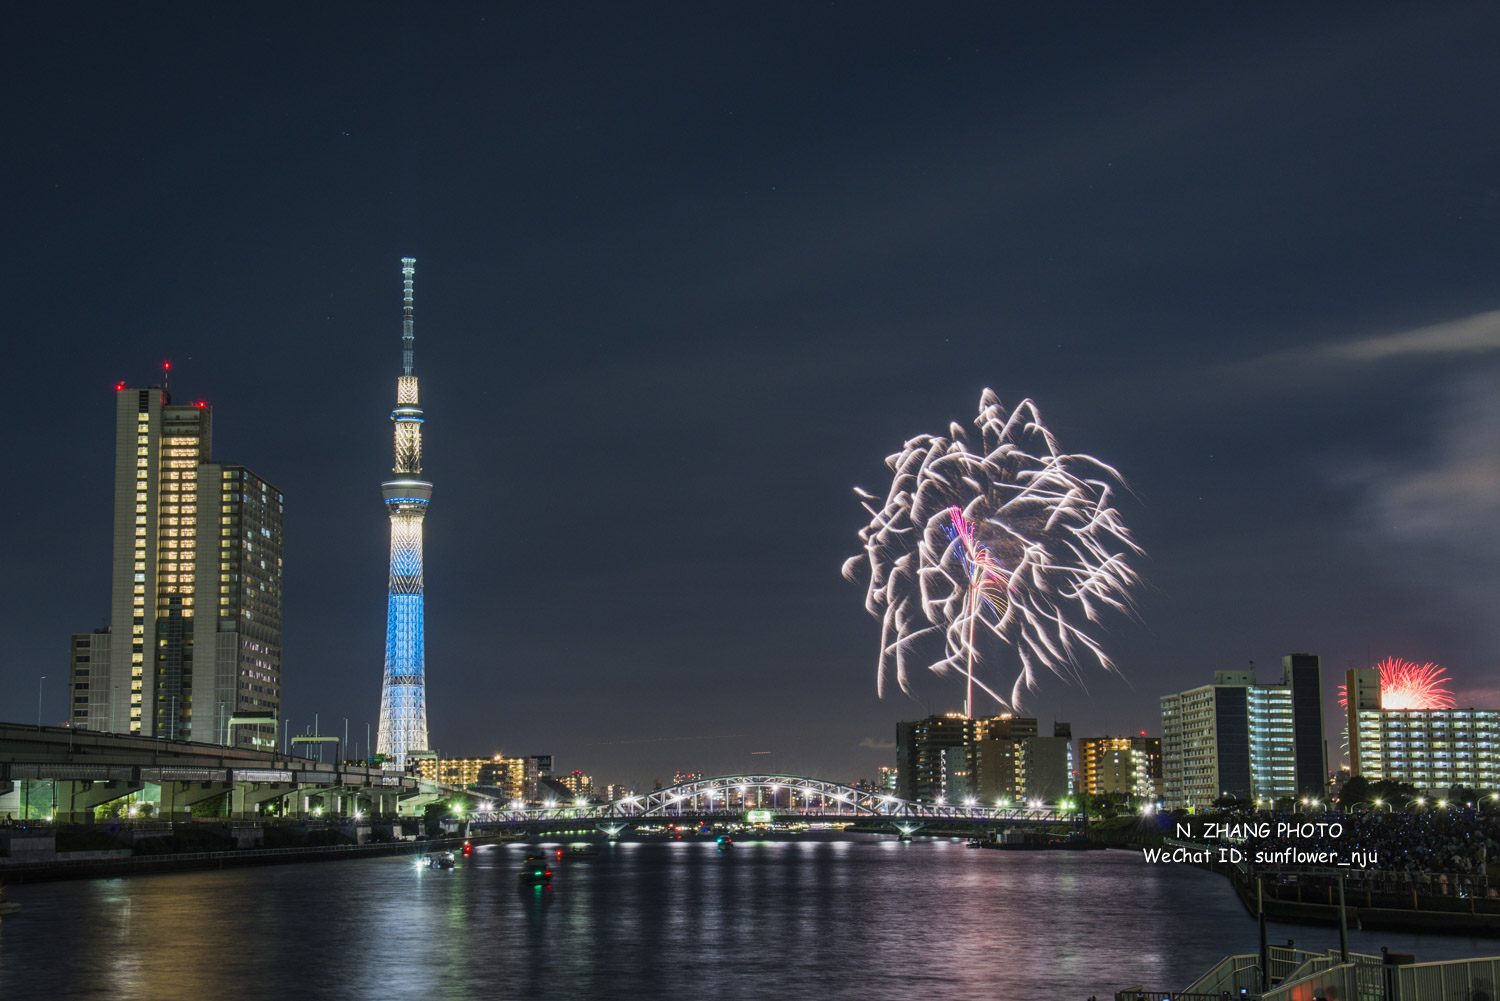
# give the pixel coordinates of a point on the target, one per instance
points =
(788, 798)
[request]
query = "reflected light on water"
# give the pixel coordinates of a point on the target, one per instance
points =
(819, 917)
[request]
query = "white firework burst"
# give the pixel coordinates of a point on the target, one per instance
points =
(1010, 538)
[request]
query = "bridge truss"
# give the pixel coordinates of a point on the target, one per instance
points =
(786, 797)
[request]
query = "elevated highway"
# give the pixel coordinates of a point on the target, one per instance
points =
(76, 771)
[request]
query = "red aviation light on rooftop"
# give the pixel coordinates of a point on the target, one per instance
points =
(202, 404)
(119, 387)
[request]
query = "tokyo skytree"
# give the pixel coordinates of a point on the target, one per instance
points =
(403, 697)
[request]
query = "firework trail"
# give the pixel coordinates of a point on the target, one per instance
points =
(1009, 538)
(1408, 685)
(985, 587)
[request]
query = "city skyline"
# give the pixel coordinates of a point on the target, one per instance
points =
(673, 323)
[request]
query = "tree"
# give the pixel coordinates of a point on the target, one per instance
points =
(1355, 790)
(1394, 792)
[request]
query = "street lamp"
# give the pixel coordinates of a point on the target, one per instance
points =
(39, 701)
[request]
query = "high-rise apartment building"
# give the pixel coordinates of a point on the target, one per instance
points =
(195, 606)
(923, 749)
(1126, 766)
(1432, 749)
(997, 761)
(1236, 738)
(513, 779)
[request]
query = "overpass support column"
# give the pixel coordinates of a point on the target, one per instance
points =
(177, 798)
(247, 797)
(76, 801)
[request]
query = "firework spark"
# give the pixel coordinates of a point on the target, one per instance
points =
(1014, 536)
(1408, 685)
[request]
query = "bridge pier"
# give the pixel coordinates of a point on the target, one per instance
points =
(247, 798)
(178, 798)
(412, 804)
(76, 801)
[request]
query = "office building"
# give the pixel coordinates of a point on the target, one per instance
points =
(193, 648)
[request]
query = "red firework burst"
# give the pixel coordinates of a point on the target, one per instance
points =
(1408, 685)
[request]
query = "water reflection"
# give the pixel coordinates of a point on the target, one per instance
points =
(841, 918)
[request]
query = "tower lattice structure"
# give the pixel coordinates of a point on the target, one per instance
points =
(403, 697)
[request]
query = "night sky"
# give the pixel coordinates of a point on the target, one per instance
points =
(687, 275)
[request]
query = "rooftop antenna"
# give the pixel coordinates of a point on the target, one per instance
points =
(408, 268)
(166, 377)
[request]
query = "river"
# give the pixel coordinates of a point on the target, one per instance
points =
(838, 917)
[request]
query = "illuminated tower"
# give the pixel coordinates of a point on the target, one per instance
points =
(403, 697)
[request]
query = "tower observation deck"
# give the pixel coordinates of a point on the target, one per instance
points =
(403, 696)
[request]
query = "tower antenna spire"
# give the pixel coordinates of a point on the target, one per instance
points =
(408, 268)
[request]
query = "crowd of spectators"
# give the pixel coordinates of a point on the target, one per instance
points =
(1438, 846)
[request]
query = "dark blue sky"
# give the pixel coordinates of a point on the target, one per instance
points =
(686, 275)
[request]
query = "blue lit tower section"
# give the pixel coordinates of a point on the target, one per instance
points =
(403, 698)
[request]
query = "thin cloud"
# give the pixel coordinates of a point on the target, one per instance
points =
(1475, 334)
(1438, 511)
(1469, 335)
(878, 745)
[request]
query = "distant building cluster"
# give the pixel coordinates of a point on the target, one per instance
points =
(957, 760)
(515, 779)
(1240, 740)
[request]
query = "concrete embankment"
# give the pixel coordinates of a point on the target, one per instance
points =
(1316, 903)
(136, 865)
